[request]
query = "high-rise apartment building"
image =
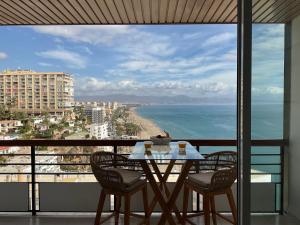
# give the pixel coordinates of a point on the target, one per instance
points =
(99, 131)
(36, 92)
(95, 114)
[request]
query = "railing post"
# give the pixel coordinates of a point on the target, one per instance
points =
(115, 149)
(282, 179)
(33, 197)
(197, 171)
(115, 152)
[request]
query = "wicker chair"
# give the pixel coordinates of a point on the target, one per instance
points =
(118, 176)
(216, 175)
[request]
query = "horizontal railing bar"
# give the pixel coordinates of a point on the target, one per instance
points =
(266, 164)
(12, 173)
(87, 164)
(175, 173)
(15, 154)
(263, 154)
(265, 173)
(14, 164)
(64, 154)
(58, 174)
(206, 143)
(84, 164)
(125, 154)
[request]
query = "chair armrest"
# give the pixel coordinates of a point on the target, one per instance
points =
(205, 165)
(223, 179)
(125, 163)
(107, 175)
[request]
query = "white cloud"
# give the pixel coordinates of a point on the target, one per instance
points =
(219, 39)
(87, 50)
(85, 33)
(45, 64)
(193, 36)
(273, 90)
(268, 41)
(149, 61)
(193, 67)
(3, 55)
(202, 87)
(72, 59)
(135, 43)
(268, 61)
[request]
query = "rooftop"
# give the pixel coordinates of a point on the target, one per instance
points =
(25, 72)
(142, 12)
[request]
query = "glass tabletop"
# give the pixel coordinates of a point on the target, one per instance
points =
(165, 152)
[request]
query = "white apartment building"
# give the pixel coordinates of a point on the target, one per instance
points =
(115, 105)
(95, 114)
(99, 131)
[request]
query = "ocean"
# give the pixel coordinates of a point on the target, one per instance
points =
(214, 121)
(219, 122)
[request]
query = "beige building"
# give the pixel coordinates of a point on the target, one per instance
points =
(36, 92)
(7, 125)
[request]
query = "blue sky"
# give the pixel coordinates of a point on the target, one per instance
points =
(193, 60)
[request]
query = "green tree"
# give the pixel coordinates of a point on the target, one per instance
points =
(4, 112)
(119, 129)
(20, 116)
(26, 127)
(132, 129)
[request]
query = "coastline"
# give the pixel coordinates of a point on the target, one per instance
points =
(149, 128)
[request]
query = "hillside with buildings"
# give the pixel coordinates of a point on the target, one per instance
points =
(41, 105)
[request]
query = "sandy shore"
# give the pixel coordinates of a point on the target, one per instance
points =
(149, 128)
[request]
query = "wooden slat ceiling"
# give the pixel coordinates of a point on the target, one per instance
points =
(46, 12)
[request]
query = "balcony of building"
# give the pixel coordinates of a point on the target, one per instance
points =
(44, 189)
(37, 174)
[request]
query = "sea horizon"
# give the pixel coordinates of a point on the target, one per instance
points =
(213, 121)
(219, 122)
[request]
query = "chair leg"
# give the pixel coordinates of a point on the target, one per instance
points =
(118, 206)
(185, 203)
(127, 210)
(213, 209)
(232, 205)
(146, 207)
(100, 207)
(206, 209)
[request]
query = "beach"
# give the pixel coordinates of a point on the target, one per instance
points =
(149, 128)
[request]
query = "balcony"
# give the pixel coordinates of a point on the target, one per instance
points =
(44, 174)
(274, 184)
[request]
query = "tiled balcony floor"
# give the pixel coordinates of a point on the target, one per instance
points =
(89, 220)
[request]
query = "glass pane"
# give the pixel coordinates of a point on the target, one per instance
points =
(267, 111)
(181, 79)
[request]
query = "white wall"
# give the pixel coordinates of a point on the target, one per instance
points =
(294, 149)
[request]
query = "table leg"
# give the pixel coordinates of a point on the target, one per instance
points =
(163, 180)
(180, 181)
(161, 200)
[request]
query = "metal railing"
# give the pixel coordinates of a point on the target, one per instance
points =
(200, 145)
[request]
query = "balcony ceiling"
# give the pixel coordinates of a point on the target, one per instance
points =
(46, 12)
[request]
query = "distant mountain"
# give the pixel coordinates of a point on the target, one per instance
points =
(134, 99)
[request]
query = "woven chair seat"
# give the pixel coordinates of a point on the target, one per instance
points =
(215, 176)
(202, 179)
(118, 176)
(129, 177)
